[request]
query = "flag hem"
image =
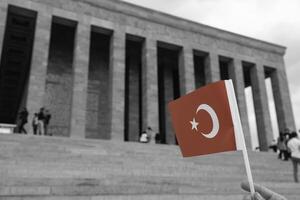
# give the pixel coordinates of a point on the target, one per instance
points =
(238, 130)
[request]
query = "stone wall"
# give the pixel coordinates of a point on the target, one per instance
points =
(144, 22)
(199, 71)
(97, 101)
(59, 80)
(169, 89)
(132, 94)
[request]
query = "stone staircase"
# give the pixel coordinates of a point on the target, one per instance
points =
(55, 168)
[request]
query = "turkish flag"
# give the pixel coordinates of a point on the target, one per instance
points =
(203, 120)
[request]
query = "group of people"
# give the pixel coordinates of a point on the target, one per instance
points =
(288, 145)
(149, 136)
(281, 145)
(40, 121)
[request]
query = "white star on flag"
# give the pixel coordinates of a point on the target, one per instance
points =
(194, 124)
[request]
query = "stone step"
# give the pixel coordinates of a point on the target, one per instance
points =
(129, 162)
(109, 180)
(120, 189)
(134, 165)
(235, 158)
(101, 171)
(131, 197)
(60, 144)
(127, 189)
(138, 197)
(66, 161)
(150, 185)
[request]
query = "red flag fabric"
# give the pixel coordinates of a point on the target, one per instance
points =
(203, 122)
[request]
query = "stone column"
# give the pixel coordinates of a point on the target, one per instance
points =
(237, 76)
(260, 99)
(150, 85)
(117, 83)
(186, 71)
(212, 68)
(3, 14)
(39, 63)
(80, 80)
(282, 99)
(168, 81)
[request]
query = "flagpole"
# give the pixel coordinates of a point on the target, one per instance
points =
(248, 169)
(239, 131)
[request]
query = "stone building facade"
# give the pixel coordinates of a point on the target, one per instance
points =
(106, 68)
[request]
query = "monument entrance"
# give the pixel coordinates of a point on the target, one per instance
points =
(133, 89)
(15, 61)
(168, 88)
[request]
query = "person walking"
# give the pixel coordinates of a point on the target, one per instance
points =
(294, 147)
(281, 145)
(41, 119)
(46, 121)
(287, 133)
(35, 123)
(22, 120)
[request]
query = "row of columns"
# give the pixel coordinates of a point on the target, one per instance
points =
(150, 100)
(37, 80)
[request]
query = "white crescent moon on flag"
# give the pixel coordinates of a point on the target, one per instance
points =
(215, 120)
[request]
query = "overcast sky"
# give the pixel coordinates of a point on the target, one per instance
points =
(276, 21)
